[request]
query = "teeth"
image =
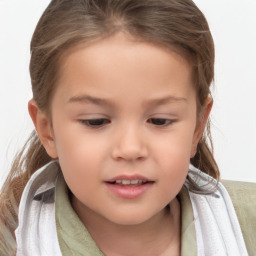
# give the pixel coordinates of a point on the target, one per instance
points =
(130, 182)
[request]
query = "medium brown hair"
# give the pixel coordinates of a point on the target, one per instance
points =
(176, 24)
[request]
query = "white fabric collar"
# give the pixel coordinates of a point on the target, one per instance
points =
(36, 233)
(217, 227)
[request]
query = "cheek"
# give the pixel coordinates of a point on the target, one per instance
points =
(73, 143)
(78, 155)
(81, 168)
(175, 146)
(174, 172)
(173, 157)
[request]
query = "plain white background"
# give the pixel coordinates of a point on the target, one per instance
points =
(233, 24)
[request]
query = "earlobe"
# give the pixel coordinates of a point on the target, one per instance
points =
(201, 125)
(43, 127)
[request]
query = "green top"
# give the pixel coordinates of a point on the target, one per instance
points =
(243, 196)
(75, 240)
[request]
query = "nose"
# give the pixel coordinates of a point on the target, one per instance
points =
(130, 145)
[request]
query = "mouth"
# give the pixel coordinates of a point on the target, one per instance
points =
(129, 187)
(129, 182)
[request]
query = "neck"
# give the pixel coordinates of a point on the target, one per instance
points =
(159, 235)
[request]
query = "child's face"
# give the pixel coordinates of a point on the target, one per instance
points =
(123, 110)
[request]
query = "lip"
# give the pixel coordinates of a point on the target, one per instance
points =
(128, 177)
(129, 191)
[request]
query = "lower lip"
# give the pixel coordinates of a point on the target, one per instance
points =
(129, 192)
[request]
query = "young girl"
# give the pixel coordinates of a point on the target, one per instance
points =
(121, 99)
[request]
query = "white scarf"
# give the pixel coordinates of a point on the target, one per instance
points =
(36, 234)
(217, 228)
(218, 231)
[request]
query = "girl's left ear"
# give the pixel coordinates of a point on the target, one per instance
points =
(201, 125)
(43, 127)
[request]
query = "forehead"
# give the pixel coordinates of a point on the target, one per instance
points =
(121, 64)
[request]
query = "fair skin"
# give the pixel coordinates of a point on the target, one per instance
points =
(124, 110)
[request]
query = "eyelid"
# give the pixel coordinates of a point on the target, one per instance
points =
(98, 122)
(157, 119)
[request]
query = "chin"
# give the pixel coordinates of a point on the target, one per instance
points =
(129, 221)
(131, 218)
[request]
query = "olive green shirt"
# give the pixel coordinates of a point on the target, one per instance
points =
(75, 240)
(243, 196)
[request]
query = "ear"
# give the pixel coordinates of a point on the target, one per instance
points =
(201, 123)
(43, 127)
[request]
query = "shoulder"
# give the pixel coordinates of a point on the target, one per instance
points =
(243, 196)
(241, 192)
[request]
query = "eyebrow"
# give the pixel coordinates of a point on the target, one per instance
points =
(105, 102)
(165, 100)
(89, 99)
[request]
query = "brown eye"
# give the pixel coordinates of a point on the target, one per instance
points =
(95, 123)
(160, 121)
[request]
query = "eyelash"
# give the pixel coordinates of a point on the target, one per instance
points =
(97, 123)
(159, 121)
